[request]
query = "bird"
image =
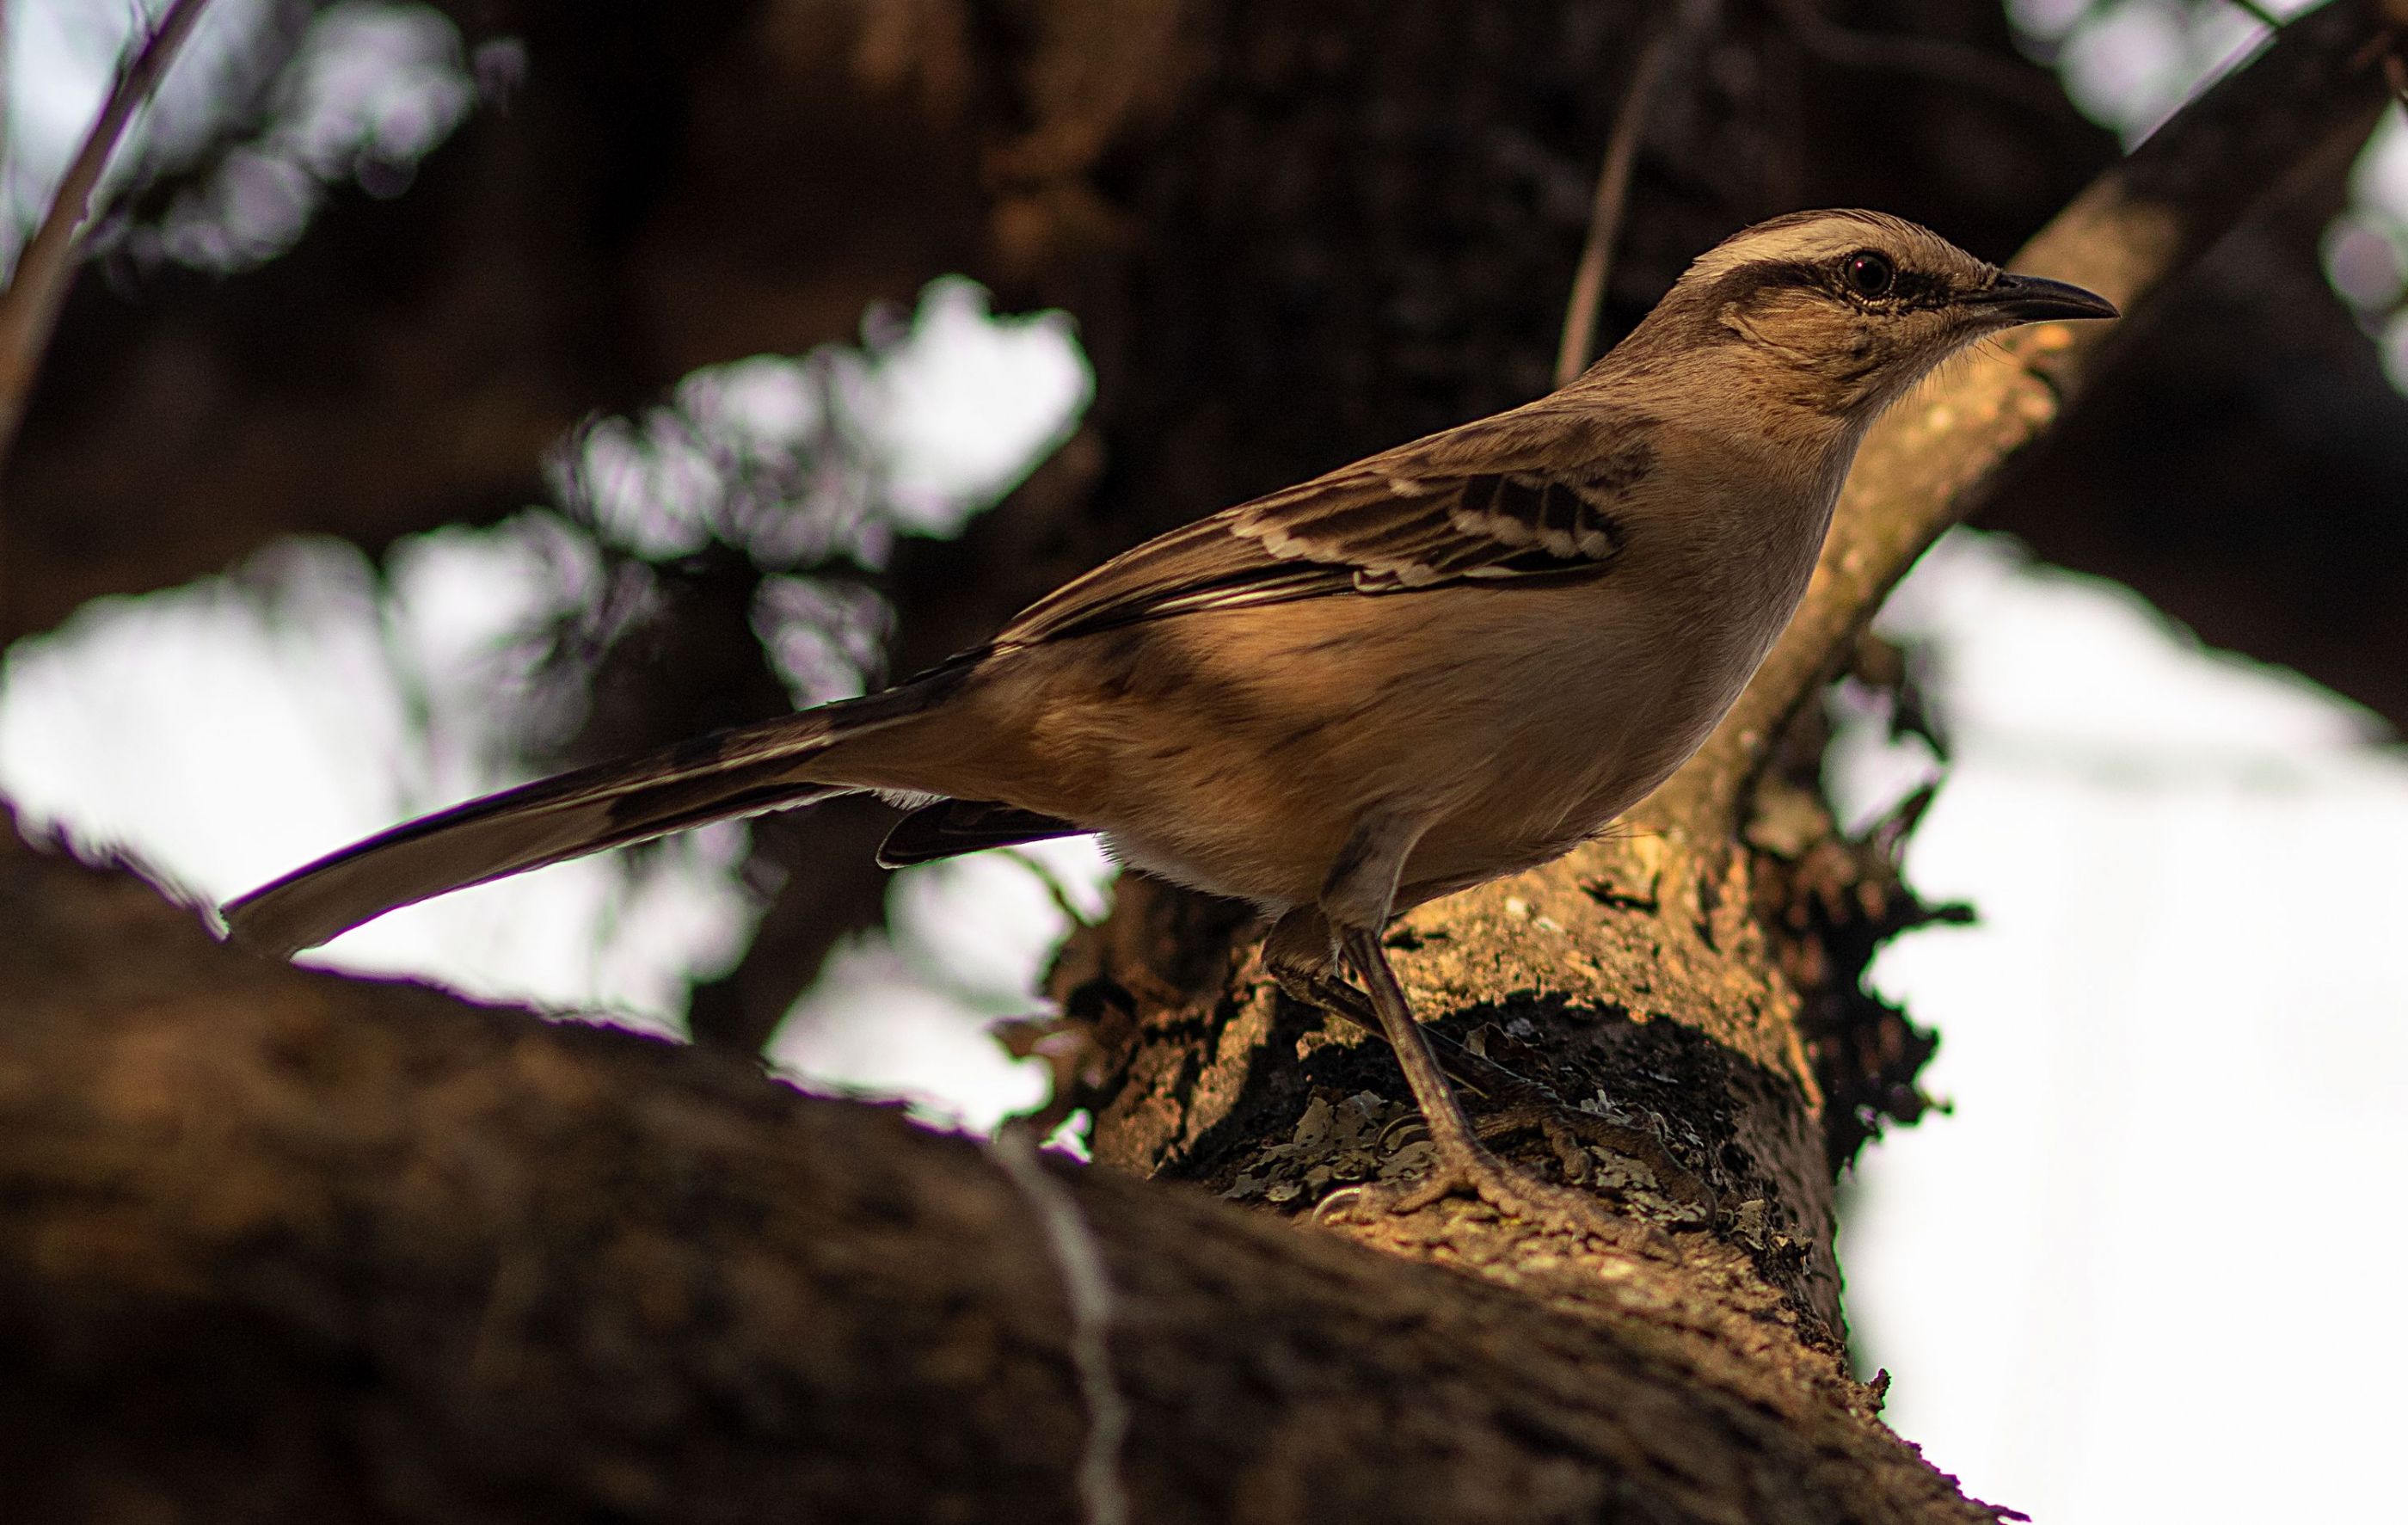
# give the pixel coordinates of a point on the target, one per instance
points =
(1447, 663)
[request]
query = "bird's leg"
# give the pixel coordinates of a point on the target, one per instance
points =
(1464, 1163)
(1355, 902)
(1298, 956)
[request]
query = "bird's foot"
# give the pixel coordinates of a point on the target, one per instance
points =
(1475, 1172)
(1569, 1131)
(1517, 1103)
(1520, 1103)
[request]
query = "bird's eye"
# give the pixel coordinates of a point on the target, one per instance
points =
(1868, 274)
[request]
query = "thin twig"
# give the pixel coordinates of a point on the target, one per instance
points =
(1088, 1288)
(1054, 887)
(29, 308)
(1614, 187)
(2259, 13)
(1951, 62)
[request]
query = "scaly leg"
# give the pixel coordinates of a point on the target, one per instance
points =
(1355, 902)
(1297, 956)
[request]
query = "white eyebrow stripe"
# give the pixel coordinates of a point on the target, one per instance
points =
(1825, 236)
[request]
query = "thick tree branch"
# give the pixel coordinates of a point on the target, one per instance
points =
(276, 1246)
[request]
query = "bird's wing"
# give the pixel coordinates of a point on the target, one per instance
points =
(1512, 498)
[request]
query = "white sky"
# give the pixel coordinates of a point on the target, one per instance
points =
(2139, 1274)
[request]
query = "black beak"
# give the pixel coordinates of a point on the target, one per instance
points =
(2030, 298)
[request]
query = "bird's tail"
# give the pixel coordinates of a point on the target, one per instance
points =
(729, 773)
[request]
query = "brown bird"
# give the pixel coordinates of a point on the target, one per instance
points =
(1447, 663)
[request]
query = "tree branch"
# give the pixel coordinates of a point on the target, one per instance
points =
(29, 308)
(278, 1246)
(1673, 31)
(1696, 977)
(1088, 1291)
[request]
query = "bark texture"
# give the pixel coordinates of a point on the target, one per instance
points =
(276, 1246)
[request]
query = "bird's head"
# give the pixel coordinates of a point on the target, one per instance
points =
(1839, 312)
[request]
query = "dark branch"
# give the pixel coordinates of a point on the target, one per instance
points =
(1673, 33)
(280, 1246)
(29, 308)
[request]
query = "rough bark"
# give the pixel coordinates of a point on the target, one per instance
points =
(276, 1246)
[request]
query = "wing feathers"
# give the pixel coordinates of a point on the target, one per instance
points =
(1533, 493)
(1452, 525)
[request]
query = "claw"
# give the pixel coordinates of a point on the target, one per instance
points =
(1514, 1195)
(1521, 1102)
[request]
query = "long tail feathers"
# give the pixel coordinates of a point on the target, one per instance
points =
(715, 778)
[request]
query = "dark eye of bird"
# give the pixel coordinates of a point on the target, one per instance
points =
(1868, 274)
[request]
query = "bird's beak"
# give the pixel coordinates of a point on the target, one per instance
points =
(2030, 298)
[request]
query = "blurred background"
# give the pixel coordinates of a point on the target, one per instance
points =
(459, 392)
